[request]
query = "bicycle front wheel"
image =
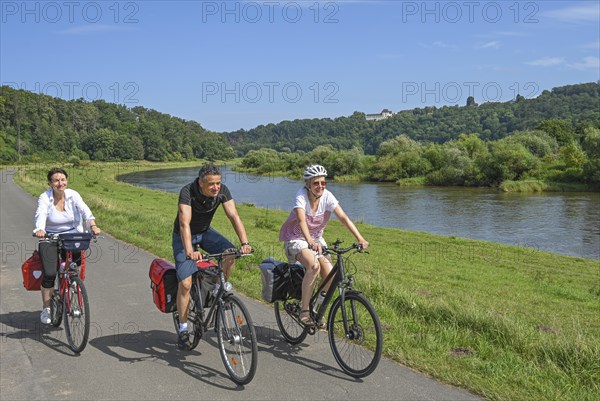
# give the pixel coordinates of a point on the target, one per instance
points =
(237, 340)
(76, 315)
(56, 310)
(357, 350)
(286, 315)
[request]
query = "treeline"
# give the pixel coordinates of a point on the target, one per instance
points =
(573, 104)
(37, 127)
(553, 153)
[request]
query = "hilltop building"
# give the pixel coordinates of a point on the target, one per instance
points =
(385, 113)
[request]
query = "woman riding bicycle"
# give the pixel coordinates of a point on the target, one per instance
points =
(59, 210)
(302, 232)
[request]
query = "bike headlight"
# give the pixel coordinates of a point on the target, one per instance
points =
(227, 286)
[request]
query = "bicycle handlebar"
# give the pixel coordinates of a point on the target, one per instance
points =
(340, 251)
(218, 256)
(56, 236)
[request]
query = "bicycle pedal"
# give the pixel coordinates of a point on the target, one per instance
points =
(76, 313)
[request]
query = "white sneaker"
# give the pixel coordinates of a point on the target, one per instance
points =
(45, 316)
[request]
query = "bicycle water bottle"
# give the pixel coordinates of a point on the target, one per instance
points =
(319, 301)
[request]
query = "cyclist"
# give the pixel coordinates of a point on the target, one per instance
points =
(198, 202)
(302, 232)
(59, 210)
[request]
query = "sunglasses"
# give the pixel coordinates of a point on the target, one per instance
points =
(319, 183)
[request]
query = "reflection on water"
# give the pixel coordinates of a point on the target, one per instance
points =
(567, 223)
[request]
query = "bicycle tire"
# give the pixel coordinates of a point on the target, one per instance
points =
(286, 315)
(194, 319)
(56, 310)
(237, 340)
(358, 354)
(76, 315)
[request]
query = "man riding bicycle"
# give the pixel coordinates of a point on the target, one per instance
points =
(198, 202)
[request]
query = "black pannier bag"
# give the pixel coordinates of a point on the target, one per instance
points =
(281, 280)
(75, 241)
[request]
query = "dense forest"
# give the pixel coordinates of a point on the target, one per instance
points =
(573, 104)
(554, 137)
(39, 127)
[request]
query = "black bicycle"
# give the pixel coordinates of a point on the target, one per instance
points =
(227, 314)
(353, 326)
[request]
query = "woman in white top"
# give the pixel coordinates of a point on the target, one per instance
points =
(59, 210)
(302, 232)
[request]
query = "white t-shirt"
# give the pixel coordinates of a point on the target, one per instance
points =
(316, 220)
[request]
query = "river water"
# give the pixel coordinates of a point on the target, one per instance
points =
(565, 223)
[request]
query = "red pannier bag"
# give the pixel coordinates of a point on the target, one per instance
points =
(163, 282)
(32, 271)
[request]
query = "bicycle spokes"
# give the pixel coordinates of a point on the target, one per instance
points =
(237, 340)
(76, 314)
(355, 335)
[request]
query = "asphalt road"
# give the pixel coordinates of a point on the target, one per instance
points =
(132, 350)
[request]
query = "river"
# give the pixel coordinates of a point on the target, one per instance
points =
(565, 223)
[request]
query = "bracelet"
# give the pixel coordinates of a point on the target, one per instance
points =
(93, 225)
(245, 243)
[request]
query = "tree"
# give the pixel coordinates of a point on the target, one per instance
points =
(573, 155)
(539, 143)
(508, 161)
(560, 130)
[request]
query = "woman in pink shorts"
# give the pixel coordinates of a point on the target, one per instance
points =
(302, 232)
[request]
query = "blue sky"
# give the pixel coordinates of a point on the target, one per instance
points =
(239, 64)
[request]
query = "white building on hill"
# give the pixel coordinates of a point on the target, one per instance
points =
(385, 113)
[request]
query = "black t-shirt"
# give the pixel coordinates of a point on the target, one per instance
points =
(203, 207)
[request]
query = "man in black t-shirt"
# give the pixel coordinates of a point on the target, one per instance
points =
(198, 202)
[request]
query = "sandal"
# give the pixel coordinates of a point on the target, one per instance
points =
(307, 320)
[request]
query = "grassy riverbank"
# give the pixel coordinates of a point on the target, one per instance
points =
(506, 322)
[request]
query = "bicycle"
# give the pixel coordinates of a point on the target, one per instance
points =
(352, 322)
(69, 299)
(226, 313)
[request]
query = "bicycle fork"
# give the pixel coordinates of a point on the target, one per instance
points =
(72, 290)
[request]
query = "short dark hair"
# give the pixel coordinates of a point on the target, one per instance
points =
(56, 170)
(208, 169)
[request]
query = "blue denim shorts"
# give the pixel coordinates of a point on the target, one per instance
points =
(211, 241)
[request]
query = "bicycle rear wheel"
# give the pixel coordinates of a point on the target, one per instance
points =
(76, 315)
(359, 350)
(286, 315)
(194, 319)
(237, 340)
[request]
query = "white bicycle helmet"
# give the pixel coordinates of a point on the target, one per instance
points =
(315, 170)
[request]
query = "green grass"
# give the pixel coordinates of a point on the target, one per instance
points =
(542, 186)
(505, 322)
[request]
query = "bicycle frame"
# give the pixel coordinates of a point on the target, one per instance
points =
(207, 317)
(62, 277)
(339, 280)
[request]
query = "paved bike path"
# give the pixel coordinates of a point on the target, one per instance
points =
(132, 350)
